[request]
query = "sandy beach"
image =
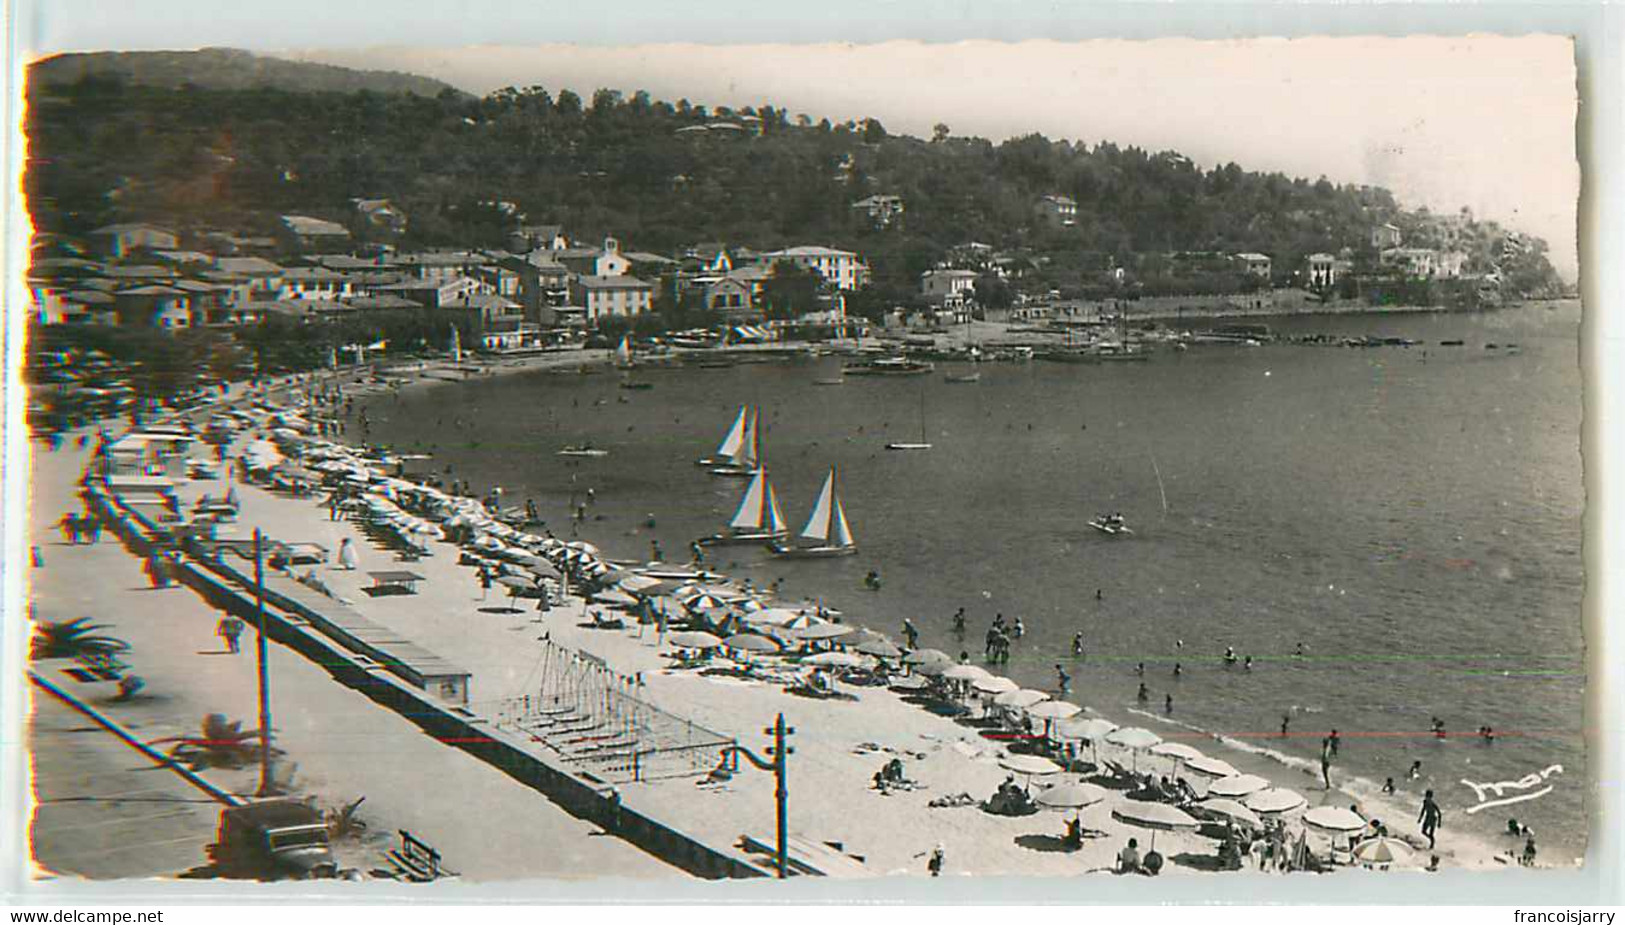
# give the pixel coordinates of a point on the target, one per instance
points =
(840, 743)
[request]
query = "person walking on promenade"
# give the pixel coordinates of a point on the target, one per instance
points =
(347, 557)
(1430, 817)
(230, 631)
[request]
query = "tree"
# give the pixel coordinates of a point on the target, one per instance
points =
(790, 290)
(939, 132)
(992, 292)
(569, 104)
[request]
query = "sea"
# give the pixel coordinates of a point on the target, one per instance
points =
(1408, 518)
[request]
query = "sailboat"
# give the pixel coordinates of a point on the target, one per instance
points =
(827, 527)
(922, 445)
(728, 450)
(745, 458)
(758, 519)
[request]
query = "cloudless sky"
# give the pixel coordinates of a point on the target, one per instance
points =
(1487, 123)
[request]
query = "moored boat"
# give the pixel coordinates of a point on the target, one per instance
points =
(827, 528)
(1111, 524)
(889, 366)
(964, 377)
(584, 451)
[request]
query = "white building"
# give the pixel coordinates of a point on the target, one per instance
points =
(940, 285)
(624, 296)
(841, 269)
(1256, 264)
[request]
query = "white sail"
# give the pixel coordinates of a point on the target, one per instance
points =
(749, 515)
(736, 435)
(840, 534)
(750, 450)
(819, 523)
(775, 521)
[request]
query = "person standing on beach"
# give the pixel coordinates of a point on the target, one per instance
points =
(911, 633)
(230, 630)
(959, 622)
(1168, 704)
(1326, 761)
(934, 863)
(347, 557)
(1286, 720)
(1063, 681)
(1077, 645)
(1333, 741)
(485, 580)
(1144, 693)
(1430, 818)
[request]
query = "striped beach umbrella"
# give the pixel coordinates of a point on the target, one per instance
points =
(1382, 851)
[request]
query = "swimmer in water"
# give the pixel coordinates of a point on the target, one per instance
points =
(1063, 681)
(1229, 655)
(959, 622)
(1178, 669)
(1099, 595)
(1139, 669)
(1416, 770)
(1388, 785)
(1077, 644)
(1168, 703)
(1248, 663)
(1144, 694)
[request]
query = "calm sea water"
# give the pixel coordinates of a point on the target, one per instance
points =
(1412, 516)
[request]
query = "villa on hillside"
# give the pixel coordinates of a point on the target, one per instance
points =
(840, 269)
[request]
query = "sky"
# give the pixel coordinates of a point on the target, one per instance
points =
(1484, 122)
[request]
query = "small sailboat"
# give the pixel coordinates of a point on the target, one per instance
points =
(728, 450)
(745, 460)
(827, 527)
(758, 519)
(922, 445)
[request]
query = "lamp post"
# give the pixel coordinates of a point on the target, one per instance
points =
(265, 788)
(779, 752)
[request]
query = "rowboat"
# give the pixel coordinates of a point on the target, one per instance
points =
(827, 527)
(583, 452)
(1110, 526)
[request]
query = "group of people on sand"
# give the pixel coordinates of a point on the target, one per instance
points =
(77, 528)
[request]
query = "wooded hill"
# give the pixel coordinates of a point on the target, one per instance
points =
(661, 176)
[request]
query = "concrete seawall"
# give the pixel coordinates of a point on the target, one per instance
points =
(295, 625)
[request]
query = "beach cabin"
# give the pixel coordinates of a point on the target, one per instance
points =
(150, 452)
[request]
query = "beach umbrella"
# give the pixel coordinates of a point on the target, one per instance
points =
(1209, 766)
(1134, 737)
(705, 602)
(1176, 750)
(1274, 800)
(1070, 796)
(1020, 699)
(834, 660)
(826, 631)
(1238, 786)
(1053, 709)
(995, 685)
(641, 583)
(932, 669)
(1158, 817)
(615, 598)
(769, 616)
(1092, 729)
(1334, 819)
(694, 639)
(880, 648)
(750, 642)
(516, 583)
(543, 570)
(921, 656)
(1232, 810)
(583, 546)
(752, 605)
(966, 673)
(907, 683)
(1382, 850)
(1029, 765)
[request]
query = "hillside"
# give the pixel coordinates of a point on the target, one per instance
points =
(662, 176)
(226, 69)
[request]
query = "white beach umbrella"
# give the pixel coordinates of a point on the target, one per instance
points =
(1274, 800)
(922, 656)
(880, 648)
(835, 660)
(1238, 786)
(1092, 729)
(750, 642)
(1020, 699)
(995, 685)
(1334, 819)
(1232, 810)
(1176, 750)
(694, 639)
(825, 631)
(1053, 709)
(1134, 737)
(1029, 765)
(1158, 817)
(966, 673)
(1071, 796)
(1208, 766)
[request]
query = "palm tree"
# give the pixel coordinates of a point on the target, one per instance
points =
(74, 639)
(222, 744)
